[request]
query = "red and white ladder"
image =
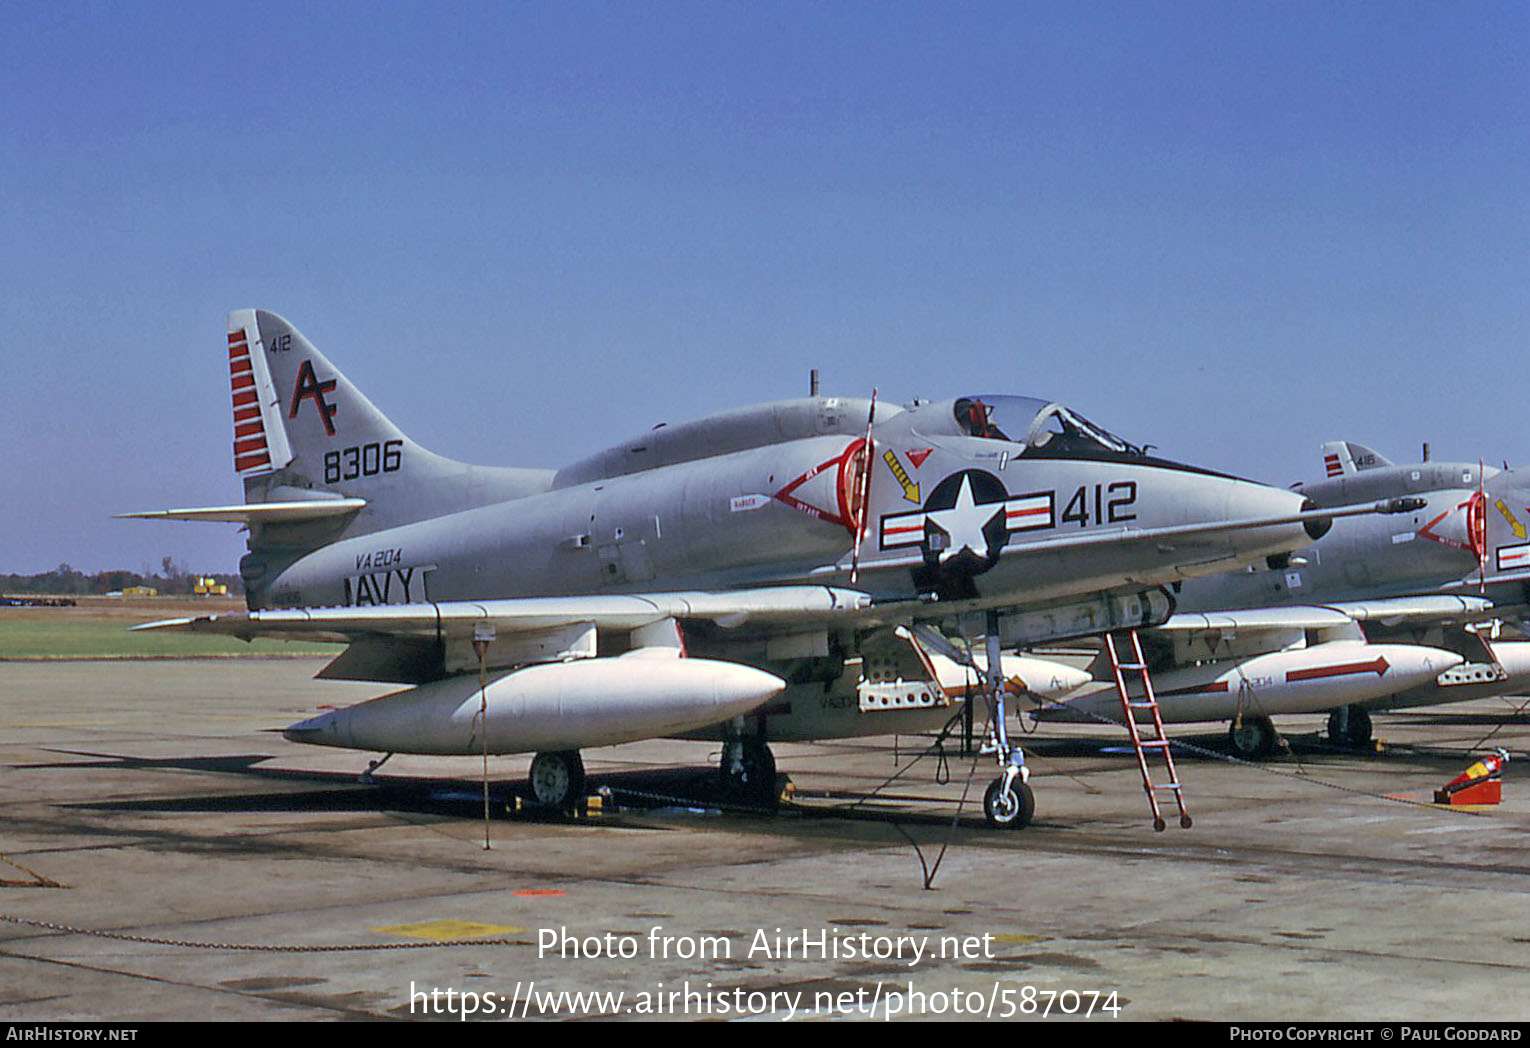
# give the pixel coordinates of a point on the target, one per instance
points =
(1158, 743)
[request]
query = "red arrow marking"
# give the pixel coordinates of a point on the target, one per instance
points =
(1379, 667)
(1208, 689)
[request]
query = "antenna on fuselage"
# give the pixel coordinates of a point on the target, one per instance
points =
(813, 383)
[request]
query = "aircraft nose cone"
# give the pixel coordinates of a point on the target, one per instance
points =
(1245, 500)
(315, 729)
(739, 684)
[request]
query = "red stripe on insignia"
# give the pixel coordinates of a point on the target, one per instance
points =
(1038, 511)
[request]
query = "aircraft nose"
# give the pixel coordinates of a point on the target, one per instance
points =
(1249, 502)
(318, 730)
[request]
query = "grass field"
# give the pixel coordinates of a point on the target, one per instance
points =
(100, 628)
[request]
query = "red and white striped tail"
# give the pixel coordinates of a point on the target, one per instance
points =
(260, 441)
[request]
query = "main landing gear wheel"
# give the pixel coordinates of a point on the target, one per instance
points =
(1011, 808)
(557, 780)
(1253, 739)
(748, 773)
(1350, 726)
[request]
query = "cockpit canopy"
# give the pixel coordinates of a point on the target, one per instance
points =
(1042, 427)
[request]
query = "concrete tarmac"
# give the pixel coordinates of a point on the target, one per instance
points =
(166, 856)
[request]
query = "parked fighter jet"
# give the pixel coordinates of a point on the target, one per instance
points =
(761, 573)
(1372, 616)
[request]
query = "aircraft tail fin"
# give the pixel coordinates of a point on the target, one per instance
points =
(293, 408)
(303, 431)
(1345, 457)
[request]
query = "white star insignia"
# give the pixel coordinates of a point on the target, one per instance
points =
(964, 522)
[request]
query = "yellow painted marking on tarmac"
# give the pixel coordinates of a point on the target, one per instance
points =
(449, 929)
(1021, 939)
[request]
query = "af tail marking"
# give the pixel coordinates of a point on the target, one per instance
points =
(309, 387)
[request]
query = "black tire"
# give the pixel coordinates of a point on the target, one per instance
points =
(1253, 739)
(1350, 726)
(747, 773)
(557, 780)
(1009, 809)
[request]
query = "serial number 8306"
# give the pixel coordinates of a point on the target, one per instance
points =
(365, 460)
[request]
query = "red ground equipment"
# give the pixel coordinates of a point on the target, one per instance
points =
(1480, 784)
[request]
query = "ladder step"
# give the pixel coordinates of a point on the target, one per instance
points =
(1147, 701)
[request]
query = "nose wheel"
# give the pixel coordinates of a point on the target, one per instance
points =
(1009, 805)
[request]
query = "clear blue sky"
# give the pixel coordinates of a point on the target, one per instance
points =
(1233, 230)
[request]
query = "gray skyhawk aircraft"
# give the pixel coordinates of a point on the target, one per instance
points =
(1375, 615)
(784, 571)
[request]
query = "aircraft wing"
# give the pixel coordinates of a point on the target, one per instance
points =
(1187, 638)
(1430, 609)
(1437, 609)
(523, 614)
(415, 642)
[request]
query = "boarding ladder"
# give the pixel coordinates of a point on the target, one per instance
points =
(1158, 743)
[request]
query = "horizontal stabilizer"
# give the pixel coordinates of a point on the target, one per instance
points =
(262, 512)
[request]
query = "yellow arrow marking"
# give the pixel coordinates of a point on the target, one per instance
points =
(910, 489)
(1508, 515)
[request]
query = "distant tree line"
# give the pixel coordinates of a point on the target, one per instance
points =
(172, 580)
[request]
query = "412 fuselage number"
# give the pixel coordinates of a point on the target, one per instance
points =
(1111, 503)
